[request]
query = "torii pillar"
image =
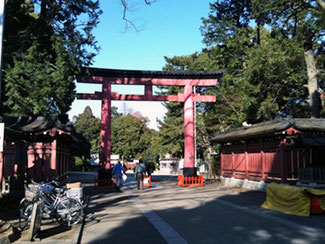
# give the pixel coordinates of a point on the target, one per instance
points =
(106, 77)
(106, 123)
(189, 150)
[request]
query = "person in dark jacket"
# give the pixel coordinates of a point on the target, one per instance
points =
(139, 171)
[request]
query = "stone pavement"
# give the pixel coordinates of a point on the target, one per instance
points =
(166, 213)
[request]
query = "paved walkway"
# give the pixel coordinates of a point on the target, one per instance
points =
(166, 213)
(123, 217)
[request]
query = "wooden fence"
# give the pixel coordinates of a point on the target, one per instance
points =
(265, 161)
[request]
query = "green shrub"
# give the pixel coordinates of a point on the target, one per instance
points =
(215, 164)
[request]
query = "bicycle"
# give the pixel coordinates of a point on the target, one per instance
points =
(67, 211)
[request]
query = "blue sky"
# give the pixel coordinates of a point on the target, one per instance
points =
(168, 28)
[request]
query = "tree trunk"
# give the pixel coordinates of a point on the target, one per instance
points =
(43, 8)
(314, 99)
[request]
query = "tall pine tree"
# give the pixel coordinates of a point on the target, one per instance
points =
(45, 44)
(301, 21)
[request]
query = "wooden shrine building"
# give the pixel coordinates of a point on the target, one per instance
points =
(286, 150)
(35, 147)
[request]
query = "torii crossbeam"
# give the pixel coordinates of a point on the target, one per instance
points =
(106, 77)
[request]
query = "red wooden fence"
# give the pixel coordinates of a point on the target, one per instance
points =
(267, 161)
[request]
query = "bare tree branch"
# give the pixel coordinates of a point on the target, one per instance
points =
(126, 9)
(233, 108)
(127, 21)
(150, 2)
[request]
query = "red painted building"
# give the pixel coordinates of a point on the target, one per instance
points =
(287, 150)
(37, 147)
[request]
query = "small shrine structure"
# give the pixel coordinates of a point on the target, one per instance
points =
(35, 147)
(285, 150)
(108, 77)
(169, 164)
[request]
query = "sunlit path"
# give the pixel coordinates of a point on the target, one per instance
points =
(166, 213)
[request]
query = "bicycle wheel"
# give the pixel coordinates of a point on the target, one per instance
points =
(68, 212)
(25, 213)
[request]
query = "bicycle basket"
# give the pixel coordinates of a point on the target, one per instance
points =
(30, 194)
(76, 193)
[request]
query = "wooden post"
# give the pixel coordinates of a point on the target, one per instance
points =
(222, 162)
(232, 161)
(36, 220)
(282, 161)
(105, 133)
(148, 91)
(246, 162)
(189, 157)
(263, 161)
(54, 153)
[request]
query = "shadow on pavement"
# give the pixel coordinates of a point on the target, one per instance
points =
(209, 214)
(50, 230)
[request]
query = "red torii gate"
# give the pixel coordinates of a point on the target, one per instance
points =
(106, 77)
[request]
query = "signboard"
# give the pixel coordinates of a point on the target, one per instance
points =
(115, 157)
(94, 159)
(2, 135)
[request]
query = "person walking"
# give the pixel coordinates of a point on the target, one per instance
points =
(118, 170)
(125, 166)
(139, 171)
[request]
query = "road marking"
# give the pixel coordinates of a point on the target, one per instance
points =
(166, 231)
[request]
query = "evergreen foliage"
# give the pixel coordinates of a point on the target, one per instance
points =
(266, 73)
(302, 22)
(131, 138)
(170, 137)
(45, 44)
(89, 127)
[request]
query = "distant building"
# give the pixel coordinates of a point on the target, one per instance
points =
(203, 167)
(131, 165)
(170, 165)
(114, 160)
